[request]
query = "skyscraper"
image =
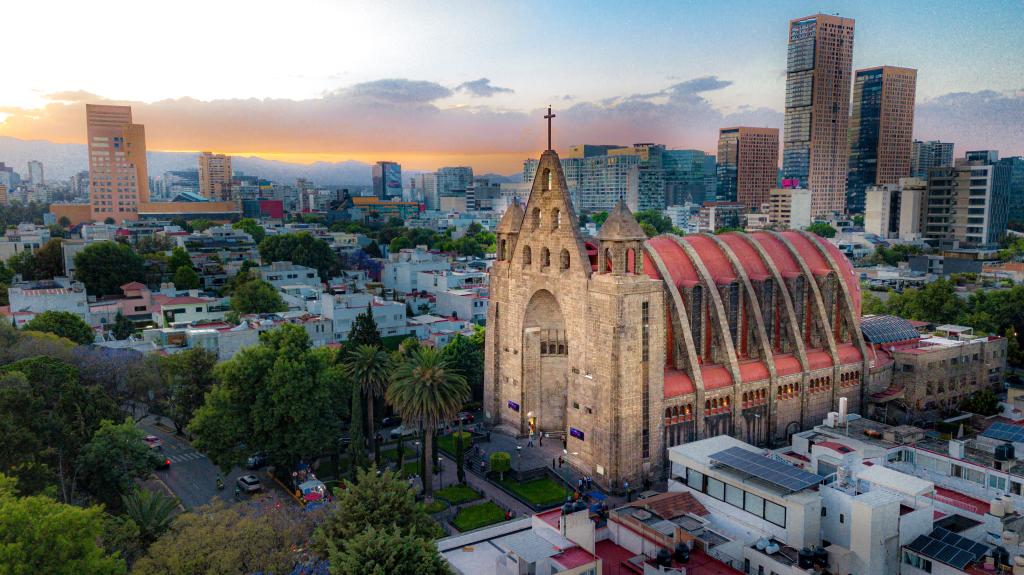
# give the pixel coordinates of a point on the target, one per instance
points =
(215, 176)
(35, 173)
(818, 68)
(748, 162)
(426, 185)
(928, 155)
(881, 130)
(452, 182)
(387, 180)
(118, 173)
(968, 203)
(1016, 166)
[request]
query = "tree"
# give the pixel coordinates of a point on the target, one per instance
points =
(983, 402)
(64, 222)
(122, 328)
(501, 462)
(398, 244)
(648, 229)
(466, 356)
(179, 258)
(373, 250)
(251, 227)
(238, 540)
(64, 324)
(109, 221)
(426, 390)
(373, 501)
(364, 330)
(369, 368)
(201, 225)
(151, 511)
(256, 296)
(40, 535)
(49, 260)
(114, 458)
(105, 266)
(822, 229)
(599, 218)
(302, 249)
(356, 441)
(280, 396)
(23, 263)
(153, 244)
(858, 220)
(659, 221)
(385, 551)
(460, 464)
(186, 278)
(188, 376)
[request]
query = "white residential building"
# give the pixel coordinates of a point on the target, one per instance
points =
(280, 274)
(437, 281)
(401, 270)
(28, 299)
(26, 237)
(342, 309)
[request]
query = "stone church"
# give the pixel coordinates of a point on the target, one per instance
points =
(630, 345)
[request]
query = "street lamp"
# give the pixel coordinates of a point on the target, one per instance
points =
(417, 444)
(565, 456)
(519, 453)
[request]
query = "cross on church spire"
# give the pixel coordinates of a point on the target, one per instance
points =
(548, 118)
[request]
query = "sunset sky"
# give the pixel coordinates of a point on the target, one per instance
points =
(449, 83)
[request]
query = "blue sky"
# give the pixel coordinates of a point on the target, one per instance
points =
(442, 80)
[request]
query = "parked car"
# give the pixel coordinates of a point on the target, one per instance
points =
(402, 431)
(256, 461)
(391, 421)
(249, 483)
(163, 463)
(465, 417)
(153, 441)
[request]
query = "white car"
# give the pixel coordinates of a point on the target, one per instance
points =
(402, 431)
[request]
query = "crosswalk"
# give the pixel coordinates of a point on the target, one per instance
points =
(186, 456)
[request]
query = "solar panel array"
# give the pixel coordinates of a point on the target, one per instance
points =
(947, 547)
(1005, 432)
(887, 329)
(775, 472)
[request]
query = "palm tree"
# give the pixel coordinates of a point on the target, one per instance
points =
(369, 366)
(151, 511)
(426, 390)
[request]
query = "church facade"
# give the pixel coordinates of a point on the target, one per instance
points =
(631, 345)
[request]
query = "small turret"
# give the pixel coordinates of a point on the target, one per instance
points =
(508, 230)
(620, 240)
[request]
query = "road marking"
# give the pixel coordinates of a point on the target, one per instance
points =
(183, 457)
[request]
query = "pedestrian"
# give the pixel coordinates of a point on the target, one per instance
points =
(542, 439)
(552, 463)
(560, 460)
(579, 484)
(529, 442)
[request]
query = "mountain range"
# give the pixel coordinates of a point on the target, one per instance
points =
(61, 161)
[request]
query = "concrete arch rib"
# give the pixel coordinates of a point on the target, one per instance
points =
(722, 323)
(852, 315)
(755, 309)
(684, 329)
(819, 307)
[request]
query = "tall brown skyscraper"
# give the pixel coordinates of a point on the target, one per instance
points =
(215, 176)
(816, 148)
(748, 164)
(881, 130)
(118, 174)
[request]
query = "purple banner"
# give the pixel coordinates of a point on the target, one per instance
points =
(513, 405)
(576, 433)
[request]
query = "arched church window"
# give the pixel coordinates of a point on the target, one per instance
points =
(501, 250)
(610, 265)
(545, 257)
(527, 256)
(631, 260)
(535, 218)
(556, 218)
(564, 260)
(543, 348)
(545, 180)
(562, 349)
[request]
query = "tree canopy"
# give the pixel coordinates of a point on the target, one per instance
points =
(251, 227)
(256, 296)
(114, 458)
(303, 249)
(186, 278)
(280, 396)
(41, 535)
(822, 229)
(188, 376)
(64, 324)
(105, 266)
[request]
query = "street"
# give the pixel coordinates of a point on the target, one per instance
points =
(191, 477)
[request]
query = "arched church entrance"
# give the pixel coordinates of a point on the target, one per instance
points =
(546, 364)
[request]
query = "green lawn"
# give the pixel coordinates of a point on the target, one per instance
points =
(436, 506)
(476, 516)
(457, 494)
(446, 443)
(542, 491)
(410, 468)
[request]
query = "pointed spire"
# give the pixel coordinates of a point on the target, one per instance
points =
(512, 219)
(621, 225)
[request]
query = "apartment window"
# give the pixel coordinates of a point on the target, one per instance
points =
(734, 496)
(997, 482)
(695, 480)
(842, 518)
(824, 511)
(775, 513)
(754, 504)
(716, 489)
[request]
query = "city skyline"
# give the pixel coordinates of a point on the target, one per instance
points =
(447, 103)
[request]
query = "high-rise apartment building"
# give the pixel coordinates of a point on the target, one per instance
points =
(454, 180)
(387, 180)
(967, 205)
(928, 155)
(1016, 166)
(748, 163)
(426, 185)
(816, 147)
(119, 178)
(215, 176)
(881, 130)
(894, 211)
(789, 208)
(35, 173)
